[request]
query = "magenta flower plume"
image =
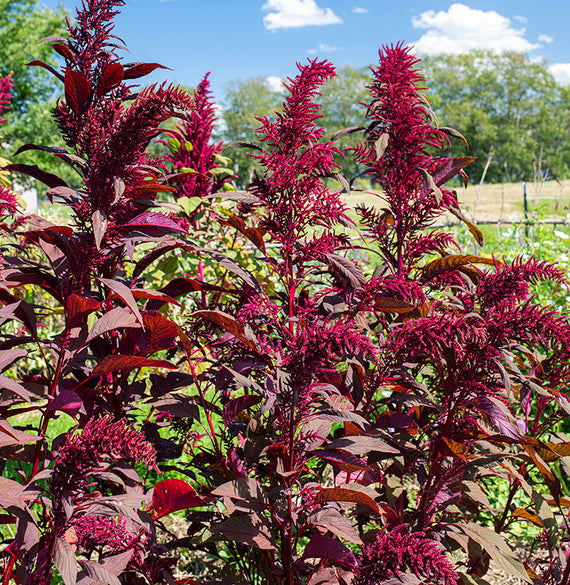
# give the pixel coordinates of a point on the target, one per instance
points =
(108, 127)
(8, 202)
(398, 552)
(193, 147)
(96, 532)
(296, 162)
(101, 440)
(396, 153)
(5, 94)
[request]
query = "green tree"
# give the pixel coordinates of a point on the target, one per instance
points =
(245, 99)
(23, 23)
(507, 105)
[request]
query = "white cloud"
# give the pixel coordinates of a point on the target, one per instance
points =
(359, 10)
(561, 72)
(462, 29)
(323, 48)
(546, 39)
(296, 13)
(274, 83)
(521, 19)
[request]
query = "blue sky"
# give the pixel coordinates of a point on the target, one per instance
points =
(248, 38)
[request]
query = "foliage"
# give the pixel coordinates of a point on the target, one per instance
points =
(243, 102)
(96, 318)
(23, 23)
(317, 421)
(509, 105)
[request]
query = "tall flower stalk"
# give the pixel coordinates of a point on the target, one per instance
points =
(82, 268)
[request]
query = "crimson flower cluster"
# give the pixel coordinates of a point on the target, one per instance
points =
(94, 532)
(6, 86)
(398, 552)
(101, 439)
(295, 162)
(192, 149)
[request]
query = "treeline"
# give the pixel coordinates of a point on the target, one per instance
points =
(509, 107)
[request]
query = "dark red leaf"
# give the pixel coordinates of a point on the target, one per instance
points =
(36, 173)
(454, 133)
(346, 495)
(253, 235)
(392, 305)
(345, 461)
(48, 67)
(136, 70)
(78, 308)
(23, 311)
(65, 561)
(113, 320)
(64, 51)
(246, 489)
(237, 405)
(241, 196)
(234, 267)
(9, 356)
(13, 386)
(449, 167)
(181, 286)
(72, 160)
(154, 219)
(396, 420)
(125, 294)
(159, 333)
(171, 495)
(381, 144)
(100, 222)
(65, 193)
(116, 363)
(361, 444)
(231, 325)
(11, 436)
(77, 91)
(67, 401)
(452, 262)
(346, 269)
(110, 78)
(345, 131)
(242, 144)
(246, 529)
(498, 415)
(154, 295)
(325, 547)
(331, 519)
(53, 39)
(155, 254)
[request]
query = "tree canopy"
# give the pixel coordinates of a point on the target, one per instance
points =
(508, 106)
(23, 23)
(246, 99)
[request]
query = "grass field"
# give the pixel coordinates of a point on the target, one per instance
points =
(499, 201)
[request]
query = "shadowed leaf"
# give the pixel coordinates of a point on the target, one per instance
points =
(77, 91)
(325, 547)
(116, 363)
(346, 495)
